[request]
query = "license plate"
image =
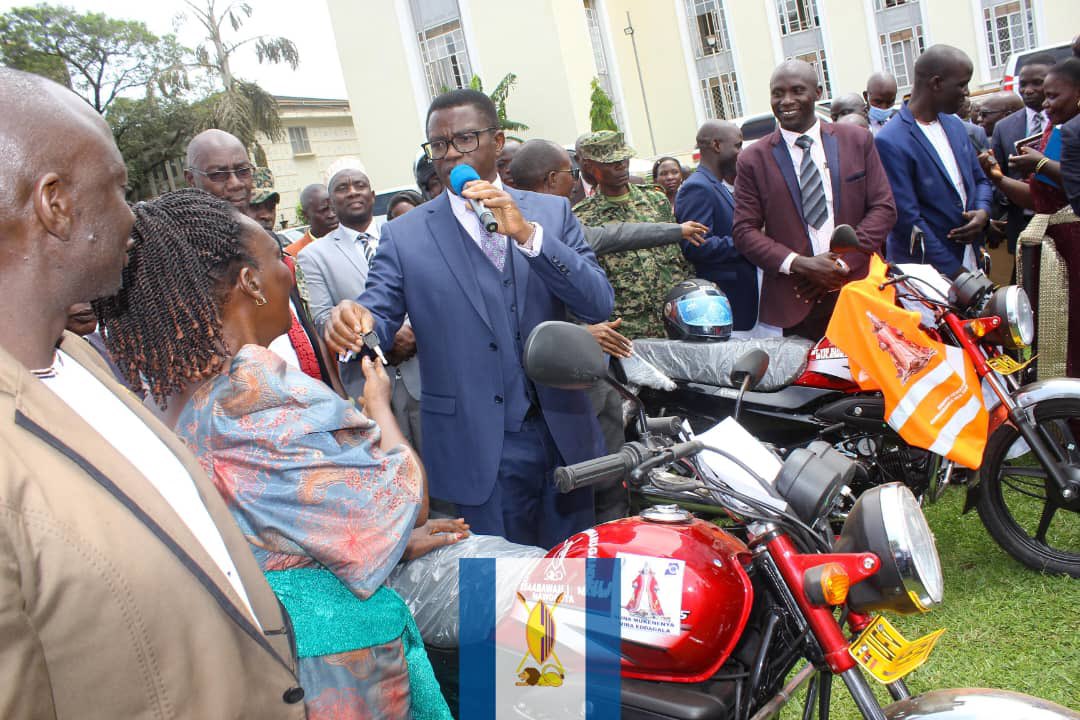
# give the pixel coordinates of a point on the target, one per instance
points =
(886, 654)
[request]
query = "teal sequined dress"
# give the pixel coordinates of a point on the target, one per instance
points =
(327, 515)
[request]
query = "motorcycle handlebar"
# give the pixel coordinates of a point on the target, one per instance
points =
(668, 455)
(669, 426)
(608, 467)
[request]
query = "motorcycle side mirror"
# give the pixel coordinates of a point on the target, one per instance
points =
(563, 355)
(747, 373)
(751, 367)
(844, 240)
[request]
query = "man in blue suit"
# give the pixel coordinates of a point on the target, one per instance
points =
(491, 438)
(942, 196)
(705, 198)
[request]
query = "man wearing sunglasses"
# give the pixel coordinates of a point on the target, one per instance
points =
(217, 162)
(491, 438)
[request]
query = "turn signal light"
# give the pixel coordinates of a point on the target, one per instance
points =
(981, 327)
(827, 584)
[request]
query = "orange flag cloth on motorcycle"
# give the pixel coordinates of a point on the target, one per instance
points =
(932, 394)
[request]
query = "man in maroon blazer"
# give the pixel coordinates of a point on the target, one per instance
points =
(794, 187)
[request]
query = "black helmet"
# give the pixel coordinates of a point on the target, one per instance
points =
(697, 310)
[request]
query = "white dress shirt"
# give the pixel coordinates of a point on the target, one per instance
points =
(373, 230)
(935, 133)
(131, 437)
(464, 213)
(819, 238)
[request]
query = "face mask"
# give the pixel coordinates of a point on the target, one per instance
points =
(880, 115)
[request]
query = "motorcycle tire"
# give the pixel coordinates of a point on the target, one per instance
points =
(1016, 494)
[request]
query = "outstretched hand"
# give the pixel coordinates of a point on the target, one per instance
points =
(694, 232)
(434, 534)
(611, 341)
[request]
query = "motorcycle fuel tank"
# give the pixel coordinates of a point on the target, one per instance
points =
(685, 596)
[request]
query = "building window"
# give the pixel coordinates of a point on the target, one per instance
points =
(1010, 28)
(816, 58)
(442, 44)
(708, 27)
(797, 15)
(898, 52)
(886, 4)
(721, 96)
(600, 54)
(299, 140)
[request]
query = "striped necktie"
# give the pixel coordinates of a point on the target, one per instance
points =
(370, 246)
(1036, 124)
(810, 184)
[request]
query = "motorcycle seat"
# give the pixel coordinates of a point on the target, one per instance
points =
(710, 363)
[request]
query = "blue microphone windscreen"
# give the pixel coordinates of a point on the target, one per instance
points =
(460, 175)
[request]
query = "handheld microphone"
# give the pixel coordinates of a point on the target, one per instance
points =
(462, 174)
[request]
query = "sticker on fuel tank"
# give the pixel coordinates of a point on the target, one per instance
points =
(652, 590)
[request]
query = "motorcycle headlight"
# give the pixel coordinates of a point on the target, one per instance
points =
(1011, 304)
(887, 521)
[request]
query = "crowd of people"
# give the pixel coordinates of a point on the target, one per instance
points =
(196, 493)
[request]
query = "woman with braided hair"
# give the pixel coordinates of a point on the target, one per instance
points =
(328, 497)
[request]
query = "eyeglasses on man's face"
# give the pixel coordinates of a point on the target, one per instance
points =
(463, 142)
(574, 172)
(219, 176)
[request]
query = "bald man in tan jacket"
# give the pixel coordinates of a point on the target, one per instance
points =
(126, 591)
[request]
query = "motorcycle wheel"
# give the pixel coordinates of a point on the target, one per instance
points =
(1020, 505)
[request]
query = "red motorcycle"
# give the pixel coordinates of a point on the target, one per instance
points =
(1027, 490)
(773, 591)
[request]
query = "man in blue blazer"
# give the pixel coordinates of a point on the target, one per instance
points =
(491, 438)
(705, 199)
(942, 196)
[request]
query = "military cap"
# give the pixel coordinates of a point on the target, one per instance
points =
(264, 187)
(606, 146)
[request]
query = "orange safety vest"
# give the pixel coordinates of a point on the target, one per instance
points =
(933, 398)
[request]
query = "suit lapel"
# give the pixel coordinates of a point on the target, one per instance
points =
(521, 263)
(37, 410)
(718, 185)
(928, 148)
(348, 249)
(832, 156)
(787, 169)
(956, 142)
(450, 238)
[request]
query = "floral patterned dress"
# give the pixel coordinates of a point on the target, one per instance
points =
(327, 515)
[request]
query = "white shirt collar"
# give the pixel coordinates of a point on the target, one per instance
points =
(351, 235)
(814, 132)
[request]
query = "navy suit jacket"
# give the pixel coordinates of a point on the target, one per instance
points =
(704, 199)
(423, 268)
(925, 196)
(1070, 161)
(1009, 129)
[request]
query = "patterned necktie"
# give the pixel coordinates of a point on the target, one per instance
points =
(813, 192)
(494, 246)
(1036, 124)
(369, 246)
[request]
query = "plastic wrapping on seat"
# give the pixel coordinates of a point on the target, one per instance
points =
(711, 363)
(640, 372)
(429, 584)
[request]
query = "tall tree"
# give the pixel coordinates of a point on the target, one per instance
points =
(499, 96)
(98, 57)
(242, 108)
(601, 109)
(151, 132)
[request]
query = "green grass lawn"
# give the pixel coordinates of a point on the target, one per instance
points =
(1007, 626)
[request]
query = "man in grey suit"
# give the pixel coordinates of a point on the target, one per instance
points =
(1026, 121)
(336, 268)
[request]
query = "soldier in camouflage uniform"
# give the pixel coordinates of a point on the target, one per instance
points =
(641, 278)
